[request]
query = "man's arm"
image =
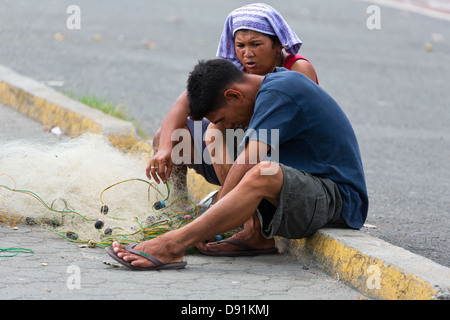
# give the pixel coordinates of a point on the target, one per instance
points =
(253, 153)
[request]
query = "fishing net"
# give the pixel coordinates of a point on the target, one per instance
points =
(87, 192)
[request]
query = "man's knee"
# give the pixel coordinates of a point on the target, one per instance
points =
(268, 169)
(265, 176)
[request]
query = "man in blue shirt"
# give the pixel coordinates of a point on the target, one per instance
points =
(300, 169)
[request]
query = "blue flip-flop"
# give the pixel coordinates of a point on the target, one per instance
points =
(158, 264)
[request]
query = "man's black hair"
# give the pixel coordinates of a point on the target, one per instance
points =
(207, 83)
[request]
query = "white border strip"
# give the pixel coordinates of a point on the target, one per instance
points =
(411, 8)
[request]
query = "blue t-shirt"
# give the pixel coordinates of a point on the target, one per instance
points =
(314, 135)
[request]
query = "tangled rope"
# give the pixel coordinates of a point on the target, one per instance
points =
(164, 221)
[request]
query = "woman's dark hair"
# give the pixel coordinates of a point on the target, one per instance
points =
(275, 40)
(207, 83)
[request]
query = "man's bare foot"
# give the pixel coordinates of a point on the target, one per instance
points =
(251, 236)
(155, 247)
(229, 246)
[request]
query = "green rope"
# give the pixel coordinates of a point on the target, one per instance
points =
(14, 252)
(45, 204)
(165, 224)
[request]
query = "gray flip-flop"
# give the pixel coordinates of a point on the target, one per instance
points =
(248, 250)
(159, 264)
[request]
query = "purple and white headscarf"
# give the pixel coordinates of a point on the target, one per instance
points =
(259, 17)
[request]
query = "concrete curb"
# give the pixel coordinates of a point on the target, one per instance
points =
(52, 108)
(374, 267)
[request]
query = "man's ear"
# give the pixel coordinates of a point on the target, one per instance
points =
(232, 95)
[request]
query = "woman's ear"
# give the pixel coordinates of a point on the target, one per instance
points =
(279, 46)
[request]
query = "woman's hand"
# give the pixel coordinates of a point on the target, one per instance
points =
(160, 166)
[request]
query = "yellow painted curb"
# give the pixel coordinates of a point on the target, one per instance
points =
(374, 267)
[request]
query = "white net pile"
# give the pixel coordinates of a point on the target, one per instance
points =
(65, 185)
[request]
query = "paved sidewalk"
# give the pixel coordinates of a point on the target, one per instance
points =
(59, 269)
(14, 125)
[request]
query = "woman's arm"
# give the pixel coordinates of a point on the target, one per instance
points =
(175, 119)
(162, 142)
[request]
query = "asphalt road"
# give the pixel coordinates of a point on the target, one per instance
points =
(392, 82)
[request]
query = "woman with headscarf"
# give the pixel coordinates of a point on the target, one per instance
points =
(255, 38)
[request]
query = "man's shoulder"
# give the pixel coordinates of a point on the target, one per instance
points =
(284, 84)
(279, 73)
(279, 69)
(282, 77)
